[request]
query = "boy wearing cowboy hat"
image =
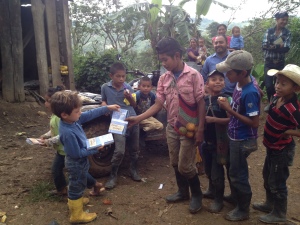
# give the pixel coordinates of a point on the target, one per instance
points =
(282, 123)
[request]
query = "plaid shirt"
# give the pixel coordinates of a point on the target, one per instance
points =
(274, 53)
(279, 120)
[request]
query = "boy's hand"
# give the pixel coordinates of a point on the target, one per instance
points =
(224, 104)
(43, 142)
(209, 119)
(132, 120)
(199, 137)
(114, 107)
(127, 94)
(100, 148)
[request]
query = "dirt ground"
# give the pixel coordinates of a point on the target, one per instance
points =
(24, 167)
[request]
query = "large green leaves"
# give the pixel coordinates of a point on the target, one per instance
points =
(203, 7)
(154, 9)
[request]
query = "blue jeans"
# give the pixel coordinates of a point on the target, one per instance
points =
(132, 138)
(58, 173)
(79, 178)
(270, 80)
(238, 171)
(276, 171)
(213, 170)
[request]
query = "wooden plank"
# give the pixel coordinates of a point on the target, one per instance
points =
(11, 51)
(53, 42)
(38, 9)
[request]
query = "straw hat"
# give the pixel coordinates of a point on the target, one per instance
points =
(291, 71)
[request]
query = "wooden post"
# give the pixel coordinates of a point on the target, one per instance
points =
(38, 9)
(53, 42)
(65, 38)
(11, 51)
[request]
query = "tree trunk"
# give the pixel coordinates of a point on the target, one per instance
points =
(38, 9)
(53, 42)
(11, 51)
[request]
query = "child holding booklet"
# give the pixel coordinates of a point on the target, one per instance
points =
(67, 106)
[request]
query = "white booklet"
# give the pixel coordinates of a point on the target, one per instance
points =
(117, 124)
(99, 141)
(33, 141)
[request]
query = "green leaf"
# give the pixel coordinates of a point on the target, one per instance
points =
(202, 7)
(154, 9)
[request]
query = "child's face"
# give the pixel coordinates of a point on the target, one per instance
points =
(145, 87)
(118, 78)
(282, 22)
(170, 63)
(222, 30)
(285, 87)
(236, 32)
(201, 43)
(73, 117)
(47, 102)
(233, 76)
(215, 83)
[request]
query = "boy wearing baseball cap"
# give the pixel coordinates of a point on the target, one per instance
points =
(282, 123)
(242, 129)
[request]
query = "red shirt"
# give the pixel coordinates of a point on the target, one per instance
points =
(190, 85)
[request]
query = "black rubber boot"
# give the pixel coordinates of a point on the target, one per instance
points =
(278, 213)
(209, 193)
(133, 172)
(230, 199)
(111, 183)
(266, 206)
(241, 211)
(196, 200)
(183, 188)
(217, 204)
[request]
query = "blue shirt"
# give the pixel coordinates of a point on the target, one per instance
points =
(245, 101)
(73, 137)
(144, 102)
(112, 96)
(237, 42)
(210, 65)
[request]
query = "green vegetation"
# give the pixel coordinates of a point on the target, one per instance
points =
(41, 192)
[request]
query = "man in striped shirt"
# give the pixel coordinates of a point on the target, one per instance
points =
(282, 123)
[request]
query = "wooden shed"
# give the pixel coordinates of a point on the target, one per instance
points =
(35, 44)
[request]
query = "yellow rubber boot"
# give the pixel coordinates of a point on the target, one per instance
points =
(85, 201)
(77, 213)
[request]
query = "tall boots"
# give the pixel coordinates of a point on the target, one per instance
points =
(111, 183)
(196, 200)
(217, 204)
(241, 211)
(183, 188)
(278, 213)
(133, 171)
(209, 193)
(266, 206)
(77, 213)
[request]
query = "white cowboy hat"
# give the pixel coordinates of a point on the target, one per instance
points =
(291, 71)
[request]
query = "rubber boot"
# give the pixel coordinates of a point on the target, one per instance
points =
(278, 213)
(183, 189)
(209, 193)
(196, 200)
(85, 201)
(77, 213)
(111, 183)
(266, 206)
(217, 204)
(241, 211)
(133, 172)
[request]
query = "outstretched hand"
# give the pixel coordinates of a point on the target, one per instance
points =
(132, 120)
(114, 107)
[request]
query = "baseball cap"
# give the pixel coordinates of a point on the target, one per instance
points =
(168, 44)
(237, 60)
(291, 71)
(215, 72)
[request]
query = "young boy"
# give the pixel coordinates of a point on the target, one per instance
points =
(115, 92)
(242, 130)
(67, 106)
(215, 136)
(202, 51)
(180, 86)
(237, 41)
(144, 100)
(282, 123)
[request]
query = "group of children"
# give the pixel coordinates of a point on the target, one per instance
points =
(181, 89)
